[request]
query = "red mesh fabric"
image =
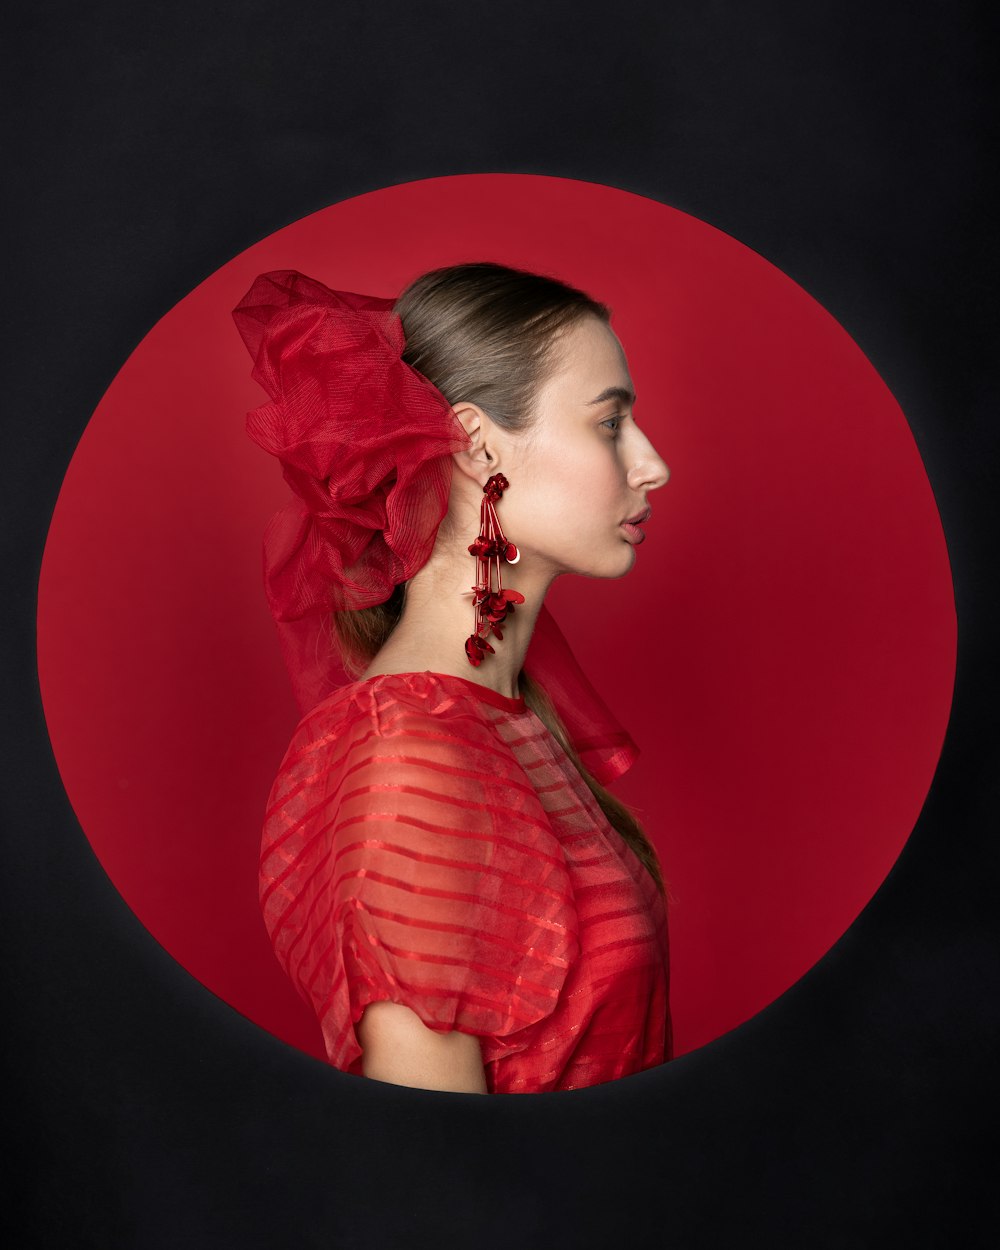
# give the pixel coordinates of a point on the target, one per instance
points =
(362, 438)
(428, 842)
(606, 749)
(364, 442)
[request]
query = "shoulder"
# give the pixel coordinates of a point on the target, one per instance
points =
(409, 718)
(393, 713)
(407, 735)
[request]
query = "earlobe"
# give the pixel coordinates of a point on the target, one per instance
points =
(476, 463)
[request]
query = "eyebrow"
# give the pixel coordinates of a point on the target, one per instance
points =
(614, 392)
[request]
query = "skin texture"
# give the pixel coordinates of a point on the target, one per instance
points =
(399, 1048)
(575, 475)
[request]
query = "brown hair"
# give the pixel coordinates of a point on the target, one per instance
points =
(486, 334)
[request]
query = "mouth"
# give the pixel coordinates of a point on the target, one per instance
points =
(631, 526)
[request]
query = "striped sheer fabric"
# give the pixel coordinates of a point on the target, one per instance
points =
(428, 842)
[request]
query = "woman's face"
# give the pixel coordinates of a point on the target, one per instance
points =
(584, 467)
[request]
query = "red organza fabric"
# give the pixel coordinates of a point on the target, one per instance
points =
(427, 841)
(363, 440)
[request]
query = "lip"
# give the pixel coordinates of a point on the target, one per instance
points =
(635, 534)
(640, 517)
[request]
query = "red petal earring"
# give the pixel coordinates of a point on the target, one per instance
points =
(491, 606)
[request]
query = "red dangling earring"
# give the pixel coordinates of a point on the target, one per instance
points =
(491, 606)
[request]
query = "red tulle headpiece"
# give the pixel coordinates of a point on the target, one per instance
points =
(365, 443)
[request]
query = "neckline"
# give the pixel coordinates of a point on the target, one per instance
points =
(485, 693)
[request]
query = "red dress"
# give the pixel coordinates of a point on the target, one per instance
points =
(429, 842)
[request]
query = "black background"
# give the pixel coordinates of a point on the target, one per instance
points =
(849, 144)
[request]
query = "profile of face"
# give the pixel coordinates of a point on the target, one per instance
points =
(584, 467)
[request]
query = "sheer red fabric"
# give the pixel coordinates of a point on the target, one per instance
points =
(427, 841)
(363, 440)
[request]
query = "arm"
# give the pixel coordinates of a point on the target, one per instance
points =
(399, 1048)
(410, 864)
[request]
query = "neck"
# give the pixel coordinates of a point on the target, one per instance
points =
(439, 616)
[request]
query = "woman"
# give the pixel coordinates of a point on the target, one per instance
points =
(443, 875)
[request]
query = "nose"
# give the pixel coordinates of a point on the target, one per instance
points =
(648, 470)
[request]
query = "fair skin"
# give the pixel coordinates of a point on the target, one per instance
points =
(575, 475)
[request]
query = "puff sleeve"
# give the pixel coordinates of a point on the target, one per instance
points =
(406, 857)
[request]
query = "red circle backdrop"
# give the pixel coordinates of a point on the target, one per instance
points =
(783, 650)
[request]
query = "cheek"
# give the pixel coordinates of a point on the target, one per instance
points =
(596, 479)
(576, 491)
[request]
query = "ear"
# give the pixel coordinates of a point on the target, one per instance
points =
(481, 459)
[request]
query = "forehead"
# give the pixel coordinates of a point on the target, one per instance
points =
(588, 361)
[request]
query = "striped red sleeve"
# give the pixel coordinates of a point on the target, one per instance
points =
(406, 857)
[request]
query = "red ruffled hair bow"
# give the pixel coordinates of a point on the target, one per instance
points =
(363, 440)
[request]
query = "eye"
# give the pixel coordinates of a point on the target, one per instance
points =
(617, 419)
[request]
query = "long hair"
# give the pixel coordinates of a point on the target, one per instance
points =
(485, 334)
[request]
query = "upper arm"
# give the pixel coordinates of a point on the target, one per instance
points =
(399, 1048)
(408, 862)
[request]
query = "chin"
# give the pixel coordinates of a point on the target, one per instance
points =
(614, 567)
(629, 562)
